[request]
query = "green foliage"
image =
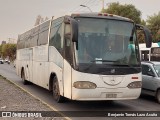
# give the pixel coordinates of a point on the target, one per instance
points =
(126, 10)
(0, 50)
(8, 50)
(143, 22)
(158, 36)
(154, 24)
(140, 35)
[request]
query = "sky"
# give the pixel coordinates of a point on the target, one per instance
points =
(18, 16)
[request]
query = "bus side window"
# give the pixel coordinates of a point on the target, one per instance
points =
(43, 33)
(56, 37)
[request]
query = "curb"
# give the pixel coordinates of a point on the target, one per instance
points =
(37, 98)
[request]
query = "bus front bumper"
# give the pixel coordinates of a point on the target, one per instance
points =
(105, 94)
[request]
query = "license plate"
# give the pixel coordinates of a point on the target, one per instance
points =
(111, 95)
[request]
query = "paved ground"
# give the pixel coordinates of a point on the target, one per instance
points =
(144, 103)
(13, 98)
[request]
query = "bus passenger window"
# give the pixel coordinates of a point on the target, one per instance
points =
(56, 39)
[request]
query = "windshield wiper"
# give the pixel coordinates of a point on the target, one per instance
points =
(122, 65)
(126, 65)
(91, 65)
(102, 61)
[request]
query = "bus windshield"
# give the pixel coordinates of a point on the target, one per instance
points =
(106, 41)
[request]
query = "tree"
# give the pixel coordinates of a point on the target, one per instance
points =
(0, 51)
(143, 22)
(9, 50)
(140, 35)
(126, 10)
(153, 22)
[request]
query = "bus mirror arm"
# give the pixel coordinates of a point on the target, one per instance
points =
(74, 30)
(147, 34)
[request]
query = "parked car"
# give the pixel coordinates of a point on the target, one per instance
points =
(151, 79)
(1, 61)
(7, 61)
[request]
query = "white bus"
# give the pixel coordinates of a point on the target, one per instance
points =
(150, 54)
(83, 57)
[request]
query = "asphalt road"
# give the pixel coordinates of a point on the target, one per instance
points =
(144, 103)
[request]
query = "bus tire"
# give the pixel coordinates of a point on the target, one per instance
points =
(25, 82)
(158, 95)
(56, 93)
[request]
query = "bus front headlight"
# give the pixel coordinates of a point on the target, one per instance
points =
(84, 85)
(136, 84)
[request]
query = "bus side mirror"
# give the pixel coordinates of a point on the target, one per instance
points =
(72, 29)
(148, 37)
(147, 34)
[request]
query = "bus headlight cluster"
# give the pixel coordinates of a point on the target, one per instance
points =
(84, 85)
(136, 84)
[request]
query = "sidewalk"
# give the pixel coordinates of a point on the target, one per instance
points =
(13, 98)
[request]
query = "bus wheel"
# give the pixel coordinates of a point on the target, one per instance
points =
(158, 96)
(25, 82)
(56, 93)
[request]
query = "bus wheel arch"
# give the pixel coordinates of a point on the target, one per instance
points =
(51, 81)
(54, 87)
(22, 70)
(25, 82)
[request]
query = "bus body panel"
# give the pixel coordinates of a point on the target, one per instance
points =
(55, 57)
(40, 73)
(40, 65)
(24, 60)
(67, 72)
(102, 93)
(47, 51)
(119, 87)
(56, 66)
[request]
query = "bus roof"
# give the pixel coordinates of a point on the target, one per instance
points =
(94, 14)
(101, 15)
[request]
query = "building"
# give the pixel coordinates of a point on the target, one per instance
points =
(3, 42)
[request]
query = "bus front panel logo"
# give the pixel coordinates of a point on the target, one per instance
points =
(113, 71)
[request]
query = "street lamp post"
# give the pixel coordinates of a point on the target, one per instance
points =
(86, 7)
